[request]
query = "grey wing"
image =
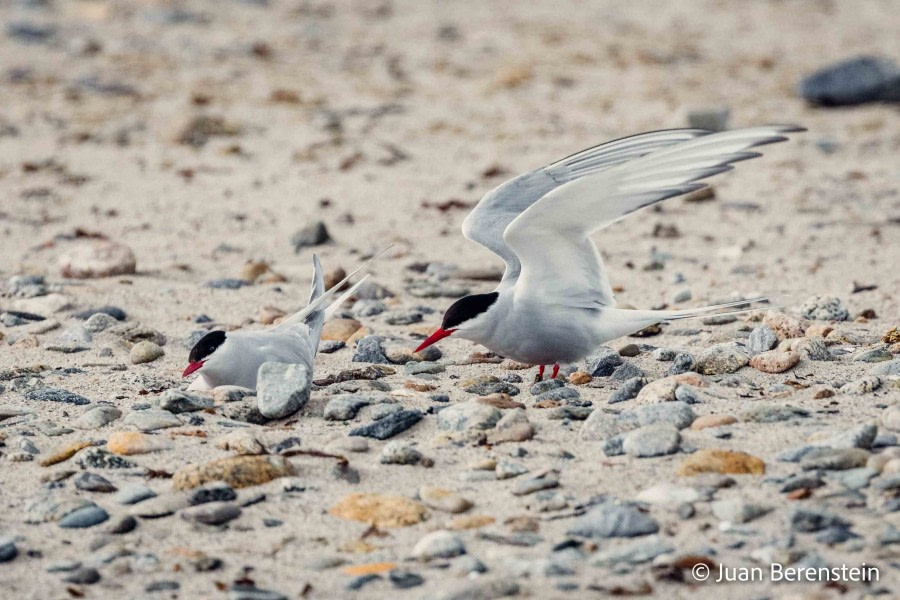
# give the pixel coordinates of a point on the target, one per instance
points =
(499, 207)
(551, 237)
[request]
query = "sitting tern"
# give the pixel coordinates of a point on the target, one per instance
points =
(234, 357)
(554, 303)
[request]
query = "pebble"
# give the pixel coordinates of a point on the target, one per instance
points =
(443, 500)
(488, 384)
(91, 482)
(151, 420)
(811, 348)
(83, 576)
(773, 413)
(738, 510)
(405, 580)
(853, 81)
(243, 591)
(400, 453)
(99, 322)
(761, 339)
(369, 350)
(240, 442)
(113, 311)
(807, 520)
(507, 470)
(340, 329)
(637, 552)
(390, 425)
(469, 415)
(683, 362)
(438, 544)
(529, 486)
(709, 460)
(97, 258)
(866, 385)
(873, 355)
(236, 471)
(834, 459)
(603, 362)
(144, 352)
(380, 510)
(97, 416)
(282, 389)
(212, 513)
(51, 394)
(722, 358)
(611, 520)
(628, 390)
(131, 442)
(86, 516)
(227, 283)
(785, 326)
(677, 414)
(887, 369)
(314, 234)
(663, 354)
(774, 361)
(483, 588)
(651, 440)
(134, 493)
(177, 402)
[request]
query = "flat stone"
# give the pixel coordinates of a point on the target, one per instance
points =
(133, 493)
(483, 588)
(438, 544)
(709, 460)
(603, 362)
(652, 440)
(92, 482)
(807, 520)
(340, 329)
(50, 394)
(529, 486)
(707, 421)
(637, 552)
(468, 416)
(97, 416)
(399, 452)
(151, 420)
(443, 499)
(212, 513)
(611, 520)
(380, 510)
(390, 425)
(774, 361)
(738, 510)
(177, 402)
(8, 550)
(677, 414)
(282, 389)
(834, 459)
(160, 506)
(236, 471)
(866, 385)
(86, 516)
(97, 258)
(126, 443)
(773, 413)
(628, 390)
(722, 358)
(852, 81)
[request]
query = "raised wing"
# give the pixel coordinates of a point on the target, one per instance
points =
(493, 214)
(560, 263)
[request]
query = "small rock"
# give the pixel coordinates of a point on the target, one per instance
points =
(603, 362)
(467, 416)
(97, 416)
(236, 471)
(652, 440)
(438, 544)
(130, 442)
(314, 234)
(629, 390)
(240, 442)
(611, 519)
(51, 394)
(282, 389)
(151, 420)
(834, 459)
(369, 349)
(529, 486)
(709, 460)
(722, 358)
(682, 363)
(677, 414)
(443, 500)
(738, 510)
(86, 516)
(806, 520)
(91, 482)
(380, 510)
(134, 493)
(212, 513)
(866, 385)
(873, 355)
(83, 576)
(707, 421)
(774, 361)
(389, 426)
(144, 352)
(97, 258)
(400, 453)
(714, 118)
(99, 322)
(8, 549)
(762, 338)
(340, 329)
(853, 81)
(177, 402)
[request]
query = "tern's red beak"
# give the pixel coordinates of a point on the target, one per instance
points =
(192, 367)
(434, 337)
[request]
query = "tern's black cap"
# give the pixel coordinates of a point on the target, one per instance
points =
(466, 308)
(206, 346)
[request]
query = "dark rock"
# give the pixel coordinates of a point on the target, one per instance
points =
(611, 519)
(626, 371)
(808, 520)
(370, 350)
(854, 81)
(91, 482)
(390, 425)
(405, 579)
(603, 362)
(8, 550)
(315, 234)
(124, 524)
(330, 346)
(83, 576)
(214, 492)
(30, 33)
(50, 394)
(227, 283)
(683, 363)
(357, 583)
(628, 390)
(242, 591)
(162, 586)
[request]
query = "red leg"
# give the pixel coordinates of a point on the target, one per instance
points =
(555, 371)
(540, 375)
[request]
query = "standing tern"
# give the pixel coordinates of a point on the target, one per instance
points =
(555, 304)
(233, 358)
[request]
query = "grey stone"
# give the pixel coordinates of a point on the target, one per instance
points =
(824, 308)
(626, 371)
(860, 436)
(603, 362)
(86, 516)
(51, 394)
(529, 486)
(133, 493)
(807, 520)
(601, 425)
(399, 452)
(83, 576)
(344, 407)
(853, 81)
(713, 118)
(866, 385)
(762, 339)
(438, 544)
(160, 506)
(738, 510)
(468, 415)
(212, 513)
(314, 234)
(812, 348)
(145, 351)
(99, 322)
(241, 591)
(405, 580)
(282, 389)
(176, 401)
(560, 394)
(545, 386)
(663, 354)
(8, 550)
(99, 458)
(507, 470)
(483, 588)
(572, 413)
(212, 492)
(611, 519)
(651, 440)
(801, 481)
(887, 369)
(674, 413)
(486, 388)
(722, 358)
(639, 551)
(834, 459)
(423, 368)
(773, 413)
(97, 416)
(113, 311)
(683, 362)
(628, 390)
(91, 482)
(854, 479)
(151, 420)
(389, 426)
(370, 350)
(873, 355)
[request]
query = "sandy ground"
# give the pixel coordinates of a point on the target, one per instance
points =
(383, 109)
